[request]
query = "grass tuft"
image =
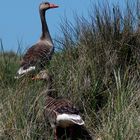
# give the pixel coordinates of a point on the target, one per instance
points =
(97, 67)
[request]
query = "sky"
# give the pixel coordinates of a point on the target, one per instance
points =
(20, 21)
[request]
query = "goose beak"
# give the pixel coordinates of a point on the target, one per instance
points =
(35, 78)
(53, 6)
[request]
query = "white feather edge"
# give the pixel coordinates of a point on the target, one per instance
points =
(22, 71)
(70, 117)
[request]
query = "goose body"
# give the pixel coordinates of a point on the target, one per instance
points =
(39, 54)
(62, 113)
(36, 57)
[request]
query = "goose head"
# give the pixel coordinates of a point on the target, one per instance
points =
(42, 75)
(46, 5)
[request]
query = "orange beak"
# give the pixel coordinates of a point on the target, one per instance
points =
(35, 78)
(53, 6)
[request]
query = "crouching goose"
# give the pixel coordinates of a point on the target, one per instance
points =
(60, 112)
(39, 54)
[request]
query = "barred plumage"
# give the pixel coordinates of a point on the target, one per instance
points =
(38, 55)
(57, 107)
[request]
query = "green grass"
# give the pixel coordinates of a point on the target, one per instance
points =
(97, 67)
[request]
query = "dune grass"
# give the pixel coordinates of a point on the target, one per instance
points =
(97, 68)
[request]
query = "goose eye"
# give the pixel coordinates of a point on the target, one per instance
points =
(46, 3)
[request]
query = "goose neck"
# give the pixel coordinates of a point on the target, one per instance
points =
(45, 30)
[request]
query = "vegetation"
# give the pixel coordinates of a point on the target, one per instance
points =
(97, 67)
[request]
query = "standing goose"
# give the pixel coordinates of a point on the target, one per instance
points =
(39, 54)
(60, 112)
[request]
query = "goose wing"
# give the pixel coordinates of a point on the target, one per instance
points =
(63, 113)
(35, 58)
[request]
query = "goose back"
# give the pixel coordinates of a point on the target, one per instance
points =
(38, 55)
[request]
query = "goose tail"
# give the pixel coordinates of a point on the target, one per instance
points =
(21, 72)
(73, 118)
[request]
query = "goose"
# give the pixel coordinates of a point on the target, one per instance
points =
(39, 54)
(59, 111)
